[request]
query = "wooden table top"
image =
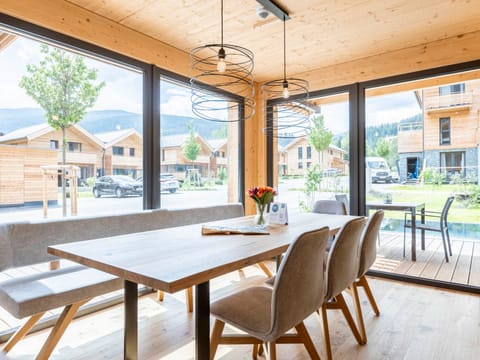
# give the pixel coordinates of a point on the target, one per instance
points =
(176, 258)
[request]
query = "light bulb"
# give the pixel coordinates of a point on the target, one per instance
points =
(285, 92)
(221, 65)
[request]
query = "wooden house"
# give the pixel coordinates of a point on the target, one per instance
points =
(83, 150)
(121, 153)
(447, 136)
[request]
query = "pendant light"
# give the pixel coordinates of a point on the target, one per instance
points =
(222, 81)
(286, 102)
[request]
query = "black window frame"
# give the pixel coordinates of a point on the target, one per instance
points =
(445, 135)
(300, 153)
(118, 151)
(74, 146)
(451, 89)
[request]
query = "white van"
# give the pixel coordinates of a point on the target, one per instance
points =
(379, 169)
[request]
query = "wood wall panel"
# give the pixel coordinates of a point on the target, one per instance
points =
(435, 54)
(72, 20)
(21, 176)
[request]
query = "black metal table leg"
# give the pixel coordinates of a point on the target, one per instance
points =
(130, 340)
(423, 230)
(202, 321)
(414, 233)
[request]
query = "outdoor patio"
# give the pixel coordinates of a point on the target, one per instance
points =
(463, 267)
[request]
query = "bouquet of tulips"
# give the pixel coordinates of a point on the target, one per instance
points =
(262, 197)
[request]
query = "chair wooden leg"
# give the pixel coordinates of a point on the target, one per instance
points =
(255, 350)
(346, 312)
(326, 332)
(265, 269)
(61, 325)
(307, 341)
(364, 283)
(160, 295)
(21, 332)
(272, 350)
(215, 337)
(189, 299)
(358, 313)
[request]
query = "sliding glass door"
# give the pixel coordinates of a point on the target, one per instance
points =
(422, 147)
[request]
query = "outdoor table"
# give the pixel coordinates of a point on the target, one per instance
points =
(412, 207)
(177, 258)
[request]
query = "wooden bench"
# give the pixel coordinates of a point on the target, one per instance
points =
(25, 243)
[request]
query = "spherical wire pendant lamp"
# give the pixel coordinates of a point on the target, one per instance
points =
(286, 99)
(222, 69)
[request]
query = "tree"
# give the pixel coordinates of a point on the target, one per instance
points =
(383, 147)
(64, 88)
(221, 132)
(320, 137)
(191, 148)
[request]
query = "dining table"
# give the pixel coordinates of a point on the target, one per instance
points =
(412, 208)
(177, 258)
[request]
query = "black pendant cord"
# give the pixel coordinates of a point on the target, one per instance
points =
(284, 51)
(222, 22)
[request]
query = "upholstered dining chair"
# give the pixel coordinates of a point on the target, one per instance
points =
(341, 273)
(344, 199)
(332, 207)
(266, 313)
(367, 256)
(436, 221)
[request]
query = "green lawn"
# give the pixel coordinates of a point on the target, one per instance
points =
(434, 197)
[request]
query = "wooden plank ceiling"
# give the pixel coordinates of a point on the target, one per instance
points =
(6, 39)
(319, 34)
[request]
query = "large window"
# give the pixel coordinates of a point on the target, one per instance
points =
(452, 163)
(325, 172)
(199, 162)
(420, 151)
(113, 122)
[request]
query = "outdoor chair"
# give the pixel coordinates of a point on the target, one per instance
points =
(341, 273)
(434, 221)
(265, 313)
(367, 256)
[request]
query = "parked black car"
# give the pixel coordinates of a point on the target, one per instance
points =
(118, 185)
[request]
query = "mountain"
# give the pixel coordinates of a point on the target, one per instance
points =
(107, 120)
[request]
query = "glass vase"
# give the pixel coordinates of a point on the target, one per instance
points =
(261, 218)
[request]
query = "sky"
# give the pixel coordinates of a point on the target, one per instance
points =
(123, 91)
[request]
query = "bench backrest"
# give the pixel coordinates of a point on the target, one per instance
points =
(25, 243)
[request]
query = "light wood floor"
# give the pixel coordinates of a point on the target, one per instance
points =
(415, 323)
(463, 267)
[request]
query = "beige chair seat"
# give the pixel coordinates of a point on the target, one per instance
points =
(252, 313)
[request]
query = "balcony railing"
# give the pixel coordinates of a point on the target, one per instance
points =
(418, 125)
(460, 100)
